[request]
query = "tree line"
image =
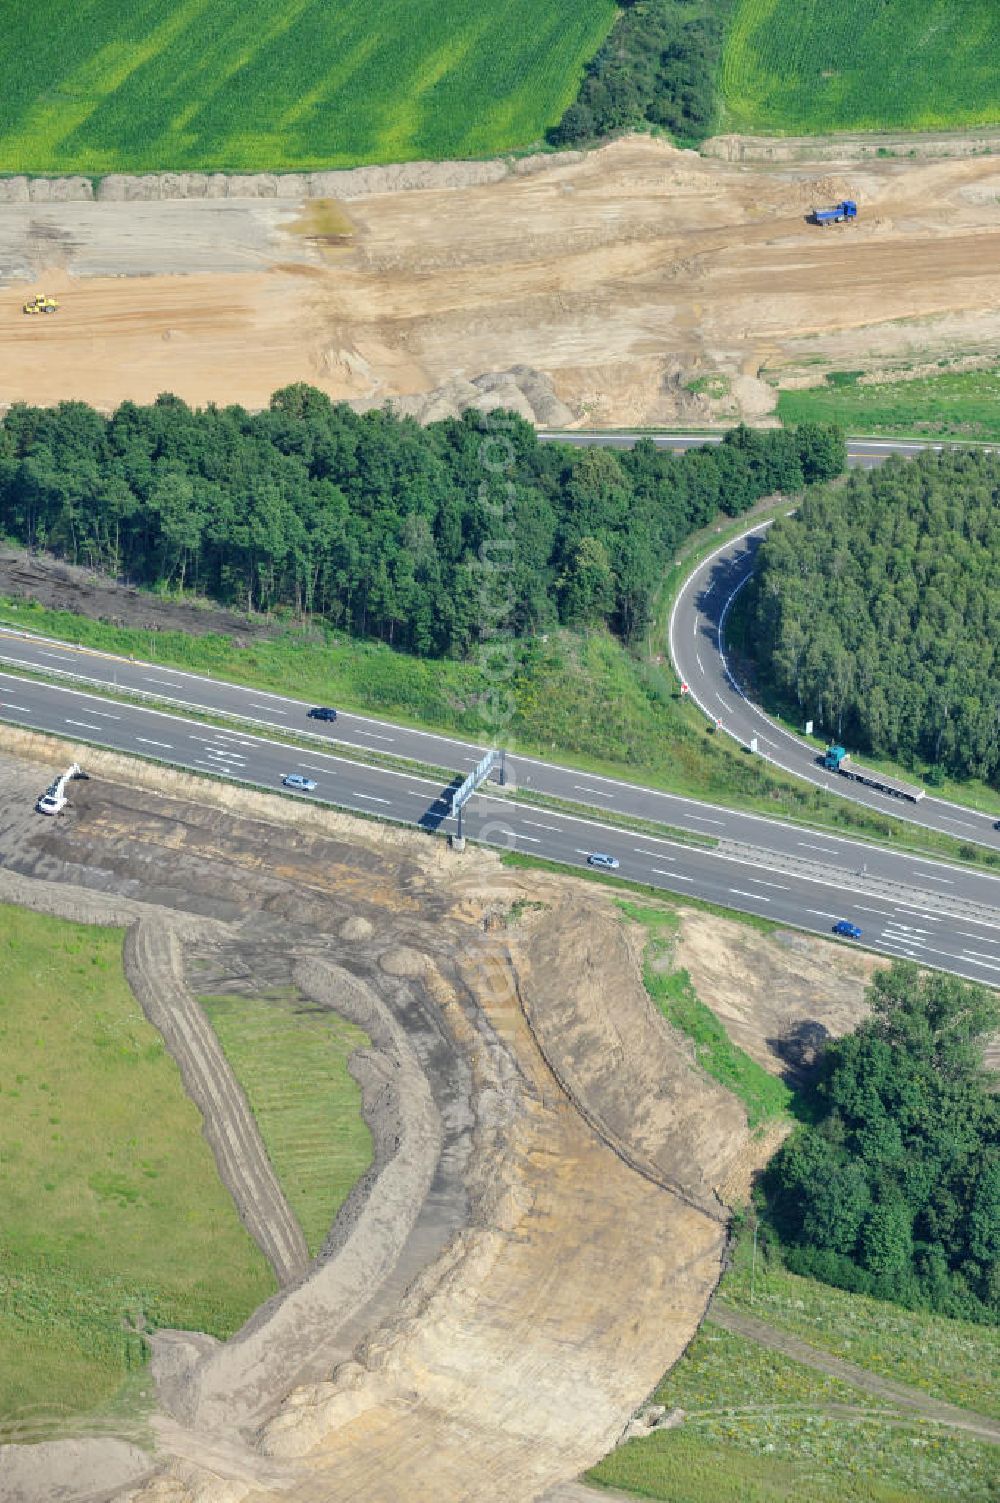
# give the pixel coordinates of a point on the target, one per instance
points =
(657, 68)
(384, 528)
(875, 611)
(893, 1189)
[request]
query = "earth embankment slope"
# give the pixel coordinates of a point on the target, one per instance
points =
(623, 276)
(522, 1275)
(539, 1284)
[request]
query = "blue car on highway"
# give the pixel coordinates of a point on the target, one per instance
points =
(297, 781)
(608, 863)
(847, 929)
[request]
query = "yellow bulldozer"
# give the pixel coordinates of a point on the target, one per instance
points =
(42, 304)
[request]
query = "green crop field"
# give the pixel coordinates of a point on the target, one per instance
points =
(291, 1057)
(806, 66)
(265, 85)
(114, 1217)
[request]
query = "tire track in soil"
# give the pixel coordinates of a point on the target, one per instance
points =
(154, 967)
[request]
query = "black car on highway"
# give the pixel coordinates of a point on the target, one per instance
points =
(322, 712)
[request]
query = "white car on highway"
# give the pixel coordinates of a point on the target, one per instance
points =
(297, 781)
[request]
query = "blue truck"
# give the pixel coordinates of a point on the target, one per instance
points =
(836, 759)
(845, 210)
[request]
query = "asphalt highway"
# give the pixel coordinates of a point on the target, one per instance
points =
(697, 647)
(268, 711)
(934, 915)
(862, 452)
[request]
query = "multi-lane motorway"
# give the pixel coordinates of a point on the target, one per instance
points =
(929, 911)
(942, 914)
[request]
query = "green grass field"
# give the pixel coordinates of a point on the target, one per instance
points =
(801, 67)
(291, 1059)
(266, 85)
(953, 1360)
(762, 1094)
(952, 405)
(113, 1214)
(760, 1428)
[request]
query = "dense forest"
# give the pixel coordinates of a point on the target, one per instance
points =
(875, 610)
(894, 1188)
(657, 68)
(428, 538)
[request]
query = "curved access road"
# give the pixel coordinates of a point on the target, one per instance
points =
(698, 651)
(697, 647)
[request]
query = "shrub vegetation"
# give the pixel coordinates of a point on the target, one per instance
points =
(657, 68)
(893, 1188)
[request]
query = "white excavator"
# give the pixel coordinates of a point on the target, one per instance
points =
(54, 799)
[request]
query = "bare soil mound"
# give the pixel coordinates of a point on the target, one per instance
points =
(617, 280)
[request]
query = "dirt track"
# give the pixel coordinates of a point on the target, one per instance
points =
(898, 1395)
(623, 276)
(540, 1233)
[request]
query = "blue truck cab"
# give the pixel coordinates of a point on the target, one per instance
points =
(833, 757)
(846, 209)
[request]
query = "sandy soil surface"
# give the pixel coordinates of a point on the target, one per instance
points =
(776, 993)
(540, 1233)
(622, 277)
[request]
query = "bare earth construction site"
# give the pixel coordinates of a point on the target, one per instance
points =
(622, 276)
(544, 1221)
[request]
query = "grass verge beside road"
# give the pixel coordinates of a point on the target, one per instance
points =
(290, 1057)
(952, 405)
(114, 1218)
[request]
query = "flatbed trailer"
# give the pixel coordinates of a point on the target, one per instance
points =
(837, 759)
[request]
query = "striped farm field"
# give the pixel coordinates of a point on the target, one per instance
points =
(291, 1057)
(266, 85)
(803, 67)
